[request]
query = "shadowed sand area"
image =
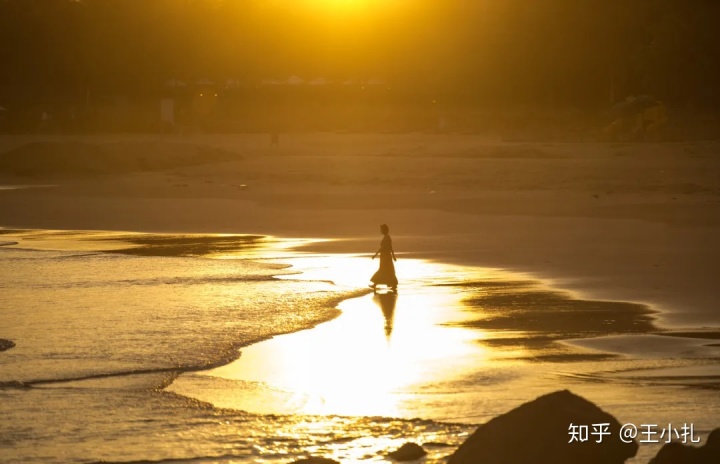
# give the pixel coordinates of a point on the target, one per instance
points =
(525, 315)
(145, 244)
(149, 245)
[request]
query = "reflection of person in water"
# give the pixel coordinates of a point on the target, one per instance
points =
(385, 275)
(387, 303)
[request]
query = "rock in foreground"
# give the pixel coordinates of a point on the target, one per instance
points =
(677, 453)
(316, 460)
(408, 452)
(539, 432)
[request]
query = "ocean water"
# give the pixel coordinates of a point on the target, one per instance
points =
(137, 348)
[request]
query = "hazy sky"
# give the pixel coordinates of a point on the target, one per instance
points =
(535, 50)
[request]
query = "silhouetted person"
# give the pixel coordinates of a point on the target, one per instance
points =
(385, 275)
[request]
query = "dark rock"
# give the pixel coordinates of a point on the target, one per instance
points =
(316, 460)
(538, 432)
(6, 344)
(677, 453)
(408, 452)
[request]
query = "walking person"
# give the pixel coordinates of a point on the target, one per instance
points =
(385, 275)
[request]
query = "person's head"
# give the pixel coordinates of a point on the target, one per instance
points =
(384, 229)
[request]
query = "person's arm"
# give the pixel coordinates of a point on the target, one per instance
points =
(392, 251)
(377, 252)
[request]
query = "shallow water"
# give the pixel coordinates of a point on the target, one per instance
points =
(143, 356)
(97, 314)
(370, 361)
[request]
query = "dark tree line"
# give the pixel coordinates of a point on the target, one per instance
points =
(583, 53)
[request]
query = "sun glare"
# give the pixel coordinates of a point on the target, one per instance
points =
(342, 3)
(336, 5)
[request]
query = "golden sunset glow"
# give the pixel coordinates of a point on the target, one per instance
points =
(353, 369)
(369, 361)
(359, 231)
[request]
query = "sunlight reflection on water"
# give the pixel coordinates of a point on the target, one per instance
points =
(370, 361)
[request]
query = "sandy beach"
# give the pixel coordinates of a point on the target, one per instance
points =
(634, 222)
(541, 266)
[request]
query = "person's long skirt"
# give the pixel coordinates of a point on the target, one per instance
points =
(385, 275)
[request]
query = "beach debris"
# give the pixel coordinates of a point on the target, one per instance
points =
(677, 453)
(15, 384)
(541, 431)
(316, 460)
(408, 452)
(6, 344)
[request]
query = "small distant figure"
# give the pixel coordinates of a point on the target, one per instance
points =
(274, 138)
(385, 275)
